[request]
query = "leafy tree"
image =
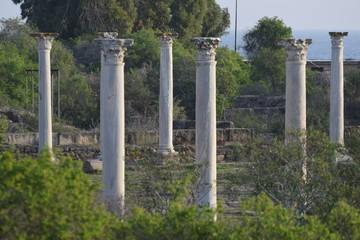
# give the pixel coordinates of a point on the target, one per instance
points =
(216, 20)
(79, 104)
(352, 93)
(267, 58)
(231, 73)
(187, 16)
(153, 14)
(79, 16)
(265, 34)
(268, 70)
(73, 18)
(43, 200)
(276, 169)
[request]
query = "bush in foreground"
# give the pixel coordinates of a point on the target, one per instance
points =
(44, 199)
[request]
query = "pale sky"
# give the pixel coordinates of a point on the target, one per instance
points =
(334, 15)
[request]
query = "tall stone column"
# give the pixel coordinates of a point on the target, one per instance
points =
(113, 135)
(206, 119)
(103, 76)
(295, 105)
(44, 44)
(166, 94)
(337, 88)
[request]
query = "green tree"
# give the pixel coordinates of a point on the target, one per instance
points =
(265, 35)
(268, 70)
(231, 74)
(72, 18)
(267, 58)
(216, 20)
(153, 14)
(45, 200)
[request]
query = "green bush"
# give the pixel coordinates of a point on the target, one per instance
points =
(276, 169)
(41, 199)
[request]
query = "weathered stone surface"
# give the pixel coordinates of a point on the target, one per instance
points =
(165, 145)
(295, 114)
(44, 44)
(205, 116)
(337, 88)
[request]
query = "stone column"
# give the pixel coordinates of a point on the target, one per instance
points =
(166, 94)
(44, 43)
(337, 88)
(295, 105)
(103, 76)
(206, 120)
(113, 135)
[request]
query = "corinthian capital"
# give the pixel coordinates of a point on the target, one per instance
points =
(166, 39)
(295, 48)
(107, 35)
(337, 38)
(44, 40)
(206, 47)
(114, 49)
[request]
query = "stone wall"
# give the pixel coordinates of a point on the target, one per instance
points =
(85, 145)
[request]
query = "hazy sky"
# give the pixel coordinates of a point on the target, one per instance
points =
(335, 15)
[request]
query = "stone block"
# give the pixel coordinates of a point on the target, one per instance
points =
(184, 137)
(87, 138)
(22, 139)
(66, 139)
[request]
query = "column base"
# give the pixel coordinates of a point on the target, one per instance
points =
(166, 152)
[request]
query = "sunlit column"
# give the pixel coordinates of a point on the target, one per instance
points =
(44, 44)
(337, 88)
(113, 135)
(295, 105)
(166, 94)
(206, 119)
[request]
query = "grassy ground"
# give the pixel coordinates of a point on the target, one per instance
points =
(147, 184)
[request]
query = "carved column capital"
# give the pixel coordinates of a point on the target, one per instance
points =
(295, 48)
(107, 35)
(114, 49)
(206, 47)
(166, 39)
(337, 38)
(44, 40)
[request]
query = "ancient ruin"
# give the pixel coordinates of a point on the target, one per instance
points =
(44, 43)
(206, 119)
(113, 117)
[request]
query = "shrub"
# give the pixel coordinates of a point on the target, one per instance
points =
(276, 169)
(41, 199)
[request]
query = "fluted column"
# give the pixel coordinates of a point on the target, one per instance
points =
(206, 119)
(113, 135)
(44, 44)
(166, 94)
(337, 88)
(295, 105)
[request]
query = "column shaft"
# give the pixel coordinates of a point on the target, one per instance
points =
(166, 95)
(113, 126)
(295, 105)
(337, 88)
(206, 120)
(44, 43)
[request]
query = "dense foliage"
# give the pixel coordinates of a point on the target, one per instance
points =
(71, 19)
(49, 200)
(44, 199)
(277, 170)
(267, 58)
